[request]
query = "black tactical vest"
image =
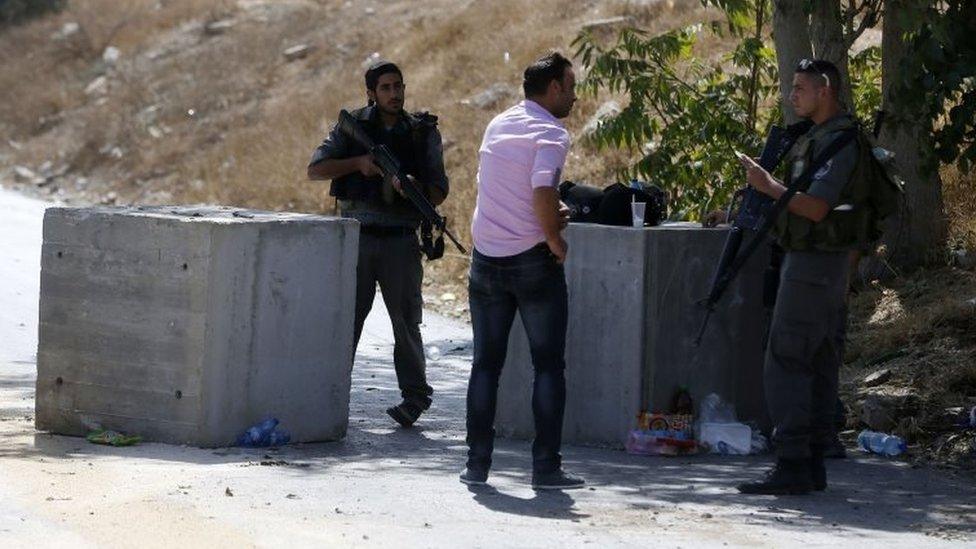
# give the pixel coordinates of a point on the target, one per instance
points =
(839, 230)
(409, 147)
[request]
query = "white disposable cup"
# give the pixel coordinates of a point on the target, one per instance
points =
(637, 211)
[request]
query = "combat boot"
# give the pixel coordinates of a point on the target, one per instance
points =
(405, 413)
(789, 476)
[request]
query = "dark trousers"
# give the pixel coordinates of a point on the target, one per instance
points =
(805, 351)
(393, 261)
(771, 280)
(534, 285)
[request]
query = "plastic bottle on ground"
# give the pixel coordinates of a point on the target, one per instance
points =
(258, 435)
(881, 443)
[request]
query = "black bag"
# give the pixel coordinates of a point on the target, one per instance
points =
(611, 206)
(583, 201)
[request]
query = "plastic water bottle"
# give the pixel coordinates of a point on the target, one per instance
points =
(258, 435)
(880, 443)
(266, 427)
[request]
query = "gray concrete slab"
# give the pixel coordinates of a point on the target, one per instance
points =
(729, 361)
(187, 325)
(633, 313)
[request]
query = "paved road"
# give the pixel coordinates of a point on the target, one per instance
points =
(386, 487)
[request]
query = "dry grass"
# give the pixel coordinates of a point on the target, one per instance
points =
(44, 76)
(38, 80)
(912, 312)
(923, 329)
(959, 194)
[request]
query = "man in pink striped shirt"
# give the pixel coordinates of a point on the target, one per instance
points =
(522, 157)
(517, 267)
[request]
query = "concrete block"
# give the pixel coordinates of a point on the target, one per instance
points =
(187, 325)
(632, 322)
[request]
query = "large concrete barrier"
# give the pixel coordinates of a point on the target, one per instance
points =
(187, 325)
(633, 319)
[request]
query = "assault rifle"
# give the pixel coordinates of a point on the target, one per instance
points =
(390, 166)
(756, 212)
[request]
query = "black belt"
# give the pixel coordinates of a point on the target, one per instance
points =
(540, 250)
(380, 230)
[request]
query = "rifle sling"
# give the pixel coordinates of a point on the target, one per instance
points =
(783, 201)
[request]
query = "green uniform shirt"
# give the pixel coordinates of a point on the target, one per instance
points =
(829, 181)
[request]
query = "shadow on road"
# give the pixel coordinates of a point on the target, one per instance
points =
(865, 494)
(550, 504)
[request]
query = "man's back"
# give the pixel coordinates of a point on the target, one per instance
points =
(523, 148)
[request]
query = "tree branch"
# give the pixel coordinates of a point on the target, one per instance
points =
(868, 20)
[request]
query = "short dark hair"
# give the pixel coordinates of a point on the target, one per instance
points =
(543, 70)
(822, 68)
(378, 69)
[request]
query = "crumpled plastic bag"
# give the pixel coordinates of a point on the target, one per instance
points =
(727, 438)
(715, 410)
(266, 433)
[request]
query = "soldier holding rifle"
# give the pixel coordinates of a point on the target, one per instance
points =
(389, 250)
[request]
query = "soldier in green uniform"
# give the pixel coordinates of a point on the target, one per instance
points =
(389, 251)
(817, 232)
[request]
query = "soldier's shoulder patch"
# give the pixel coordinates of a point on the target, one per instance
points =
(824, 170)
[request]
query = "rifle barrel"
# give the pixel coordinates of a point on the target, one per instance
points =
(704, 324)
(777, 145)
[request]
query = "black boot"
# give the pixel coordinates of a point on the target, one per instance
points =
(789, 476)
(818, 471)
(474, 476)
(556, 480)
(405, 413)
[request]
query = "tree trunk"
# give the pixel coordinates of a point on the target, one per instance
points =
(918, 234)
(791, 34)
(827, 33)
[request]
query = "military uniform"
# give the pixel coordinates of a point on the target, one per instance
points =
(806, 337)
(389, 251)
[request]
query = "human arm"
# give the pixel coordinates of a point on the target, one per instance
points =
(826, 184)
(808, 206)
(547, 166)
(337, 167)
(546, 205)
(331, 159)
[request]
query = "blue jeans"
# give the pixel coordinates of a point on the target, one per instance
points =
(533, 284)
